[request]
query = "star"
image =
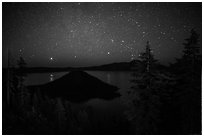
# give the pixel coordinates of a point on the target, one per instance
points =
(51, 58)
(94, 31)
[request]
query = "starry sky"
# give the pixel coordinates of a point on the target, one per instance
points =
(85, 34)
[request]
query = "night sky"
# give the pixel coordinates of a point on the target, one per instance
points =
(86, 34)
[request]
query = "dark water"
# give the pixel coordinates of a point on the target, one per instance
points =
(119, 79)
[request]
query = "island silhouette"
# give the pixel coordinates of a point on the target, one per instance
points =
(76, 86)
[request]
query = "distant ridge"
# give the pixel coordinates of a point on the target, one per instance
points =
(120, 66)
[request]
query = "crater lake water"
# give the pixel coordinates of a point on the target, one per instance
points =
(109, 113)
(121, 79)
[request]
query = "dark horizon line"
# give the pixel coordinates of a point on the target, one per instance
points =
(90, 66)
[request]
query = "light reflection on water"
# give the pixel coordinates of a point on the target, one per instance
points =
(119, 79)
(51, 77)
(42, 78)
(116, 108)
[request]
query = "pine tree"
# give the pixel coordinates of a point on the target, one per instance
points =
(21, 70)
(188, 85)
(21, 63)
(21, 75)
(147, 59)
(191, 55)
(143, 101)
(190, 47)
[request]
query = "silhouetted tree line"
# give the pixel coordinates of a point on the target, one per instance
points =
(168, 102)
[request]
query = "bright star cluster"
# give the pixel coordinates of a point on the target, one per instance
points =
(84, 34)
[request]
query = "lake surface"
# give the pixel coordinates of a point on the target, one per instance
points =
(107, 112)
(120, 79)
